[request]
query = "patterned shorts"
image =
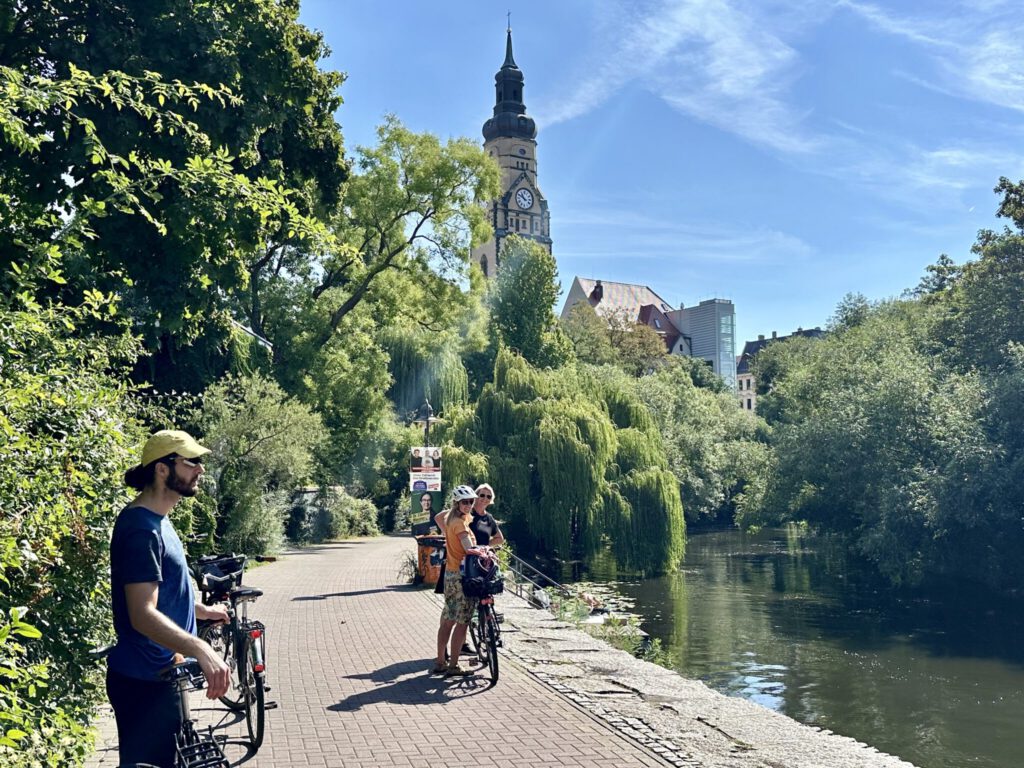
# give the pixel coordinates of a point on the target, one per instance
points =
(457, 607)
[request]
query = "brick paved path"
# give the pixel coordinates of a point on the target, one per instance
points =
(350, 647)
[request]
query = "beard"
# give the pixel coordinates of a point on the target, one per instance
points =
(182, 487)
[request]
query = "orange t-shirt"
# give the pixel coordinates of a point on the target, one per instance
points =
(453, 541)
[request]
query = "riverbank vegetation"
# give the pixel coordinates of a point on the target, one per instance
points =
(901, 430)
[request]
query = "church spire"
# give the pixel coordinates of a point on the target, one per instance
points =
(510, 118)
(509, 61)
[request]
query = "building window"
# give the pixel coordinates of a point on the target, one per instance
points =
(657, 323)
(749, 406)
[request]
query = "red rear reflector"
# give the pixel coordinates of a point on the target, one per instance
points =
(258, 667)
(255, 633)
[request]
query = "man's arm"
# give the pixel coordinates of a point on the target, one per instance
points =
(147, 620)
(439, 520)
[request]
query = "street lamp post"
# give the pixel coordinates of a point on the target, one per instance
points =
(428, 417)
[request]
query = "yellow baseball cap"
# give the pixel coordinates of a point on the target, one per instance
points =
(168, 441)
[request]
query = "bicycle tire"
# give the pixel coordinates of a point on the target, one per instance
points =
(255, 703)
(492, 646)
(474, 635)
(219, 636)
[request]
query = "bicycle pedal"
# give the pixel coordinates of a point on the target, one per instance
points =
(266, 688)
(269, 705)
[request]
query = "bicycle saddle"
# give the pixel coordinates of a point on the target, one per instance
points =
(244, 593)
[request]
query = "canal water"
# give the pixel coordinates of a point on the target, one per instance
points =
(782, 619)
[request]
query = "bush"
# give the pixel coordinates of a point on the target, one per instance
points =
(263, 445)
(67, 434)
(322, 514)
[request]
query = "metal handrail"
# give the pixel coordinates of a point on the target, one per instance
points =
(536, 578)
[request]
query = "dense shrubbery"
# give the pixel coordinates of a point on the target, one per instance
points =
(67, 436)
(263, 445)
(321, 514)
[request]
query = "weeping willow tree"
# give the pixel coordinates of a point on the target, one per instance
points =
(577, 463)
(424, 364)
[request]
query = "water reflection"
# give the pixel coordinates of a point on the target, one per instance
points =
(789, 623)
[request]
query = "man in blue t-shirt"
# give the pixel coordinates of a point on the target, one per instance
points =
(154, 604)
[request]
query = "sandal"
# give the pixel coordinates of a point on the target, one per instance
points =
(439, 669)
(457, 671)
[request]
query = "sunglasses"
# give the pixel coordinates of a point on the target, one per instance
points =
(190, 463)
(465, 501)
(484, 496)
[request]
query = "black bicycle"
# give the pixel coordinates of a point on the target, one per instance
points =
(241, 642)
(485, 634)
(481, 579)
(193, 748)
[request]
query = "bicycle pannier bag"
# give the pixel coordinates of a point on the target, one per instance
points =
(481, 578)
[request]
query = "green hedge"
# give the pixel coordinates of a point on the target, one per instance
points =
(66, 435)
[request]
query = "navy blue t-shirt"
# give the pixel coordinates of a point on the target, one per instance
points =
(144, 548)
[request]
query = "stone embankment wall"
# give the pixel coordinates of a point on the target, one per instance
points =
(683, 721)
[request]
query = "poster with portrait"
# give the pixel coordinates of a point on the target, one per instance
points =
(426, 504)
(424, 459)
(425, 483)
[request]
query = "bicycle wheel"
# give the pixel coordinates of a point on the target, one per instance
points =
(220, 637)
(255, 700)
(492, 646)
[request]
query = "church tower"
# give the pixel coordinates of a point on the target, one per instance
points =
(510, 138)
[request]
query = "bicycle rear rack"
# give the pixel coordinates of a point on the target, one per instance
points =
(204, 753)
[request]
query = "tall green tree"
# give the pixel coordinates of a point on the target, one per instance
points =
(522, 304)
(410, 215)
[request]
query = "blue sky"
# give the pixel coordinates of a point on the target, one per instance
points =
(776, 153)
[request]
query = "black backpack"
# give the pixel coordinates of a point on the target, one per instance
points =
(481, 578)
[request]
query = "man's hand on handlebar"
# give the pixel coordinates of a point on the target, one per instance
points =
(215, 613)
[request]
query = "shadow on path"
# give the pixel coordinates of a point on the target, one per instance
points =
(409, 682)
(356, 593)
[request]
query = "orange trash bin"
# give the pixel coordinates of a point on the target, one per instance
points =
(429, 551)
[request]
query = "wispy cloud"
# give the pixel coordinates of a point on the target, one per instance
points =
(710, 59)
(978, 49)
(651, 237)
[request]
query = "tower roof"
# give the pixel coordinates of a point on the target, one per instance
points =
(510, 118)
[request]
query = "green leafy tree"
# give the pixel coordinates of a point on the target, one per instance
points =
(715, 450)
(588, 334)
(277, 142)
(262, 442)
(850, 312)
(411, 209)
(66, 436)
(522, 304)
(638, 348)
(940, 277)
(577, 463)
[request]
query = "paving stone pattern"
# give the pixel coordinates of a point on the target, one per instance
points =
(350, 648)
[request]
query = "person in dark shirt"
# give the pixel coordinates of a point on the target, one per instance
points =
(483, 525)
(154, 604)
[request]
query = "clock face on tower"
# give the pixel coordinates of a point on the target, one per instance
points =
(524, 198)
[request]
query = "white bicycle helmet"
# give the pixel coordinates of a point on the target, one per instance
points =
(463, 492)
